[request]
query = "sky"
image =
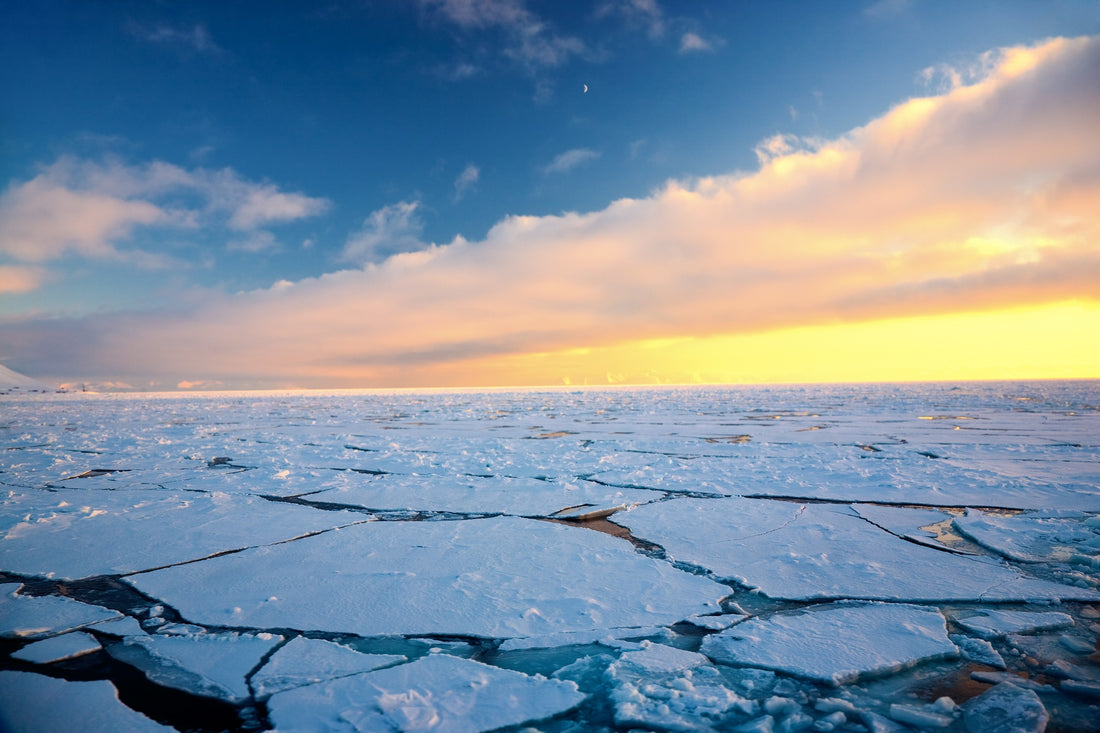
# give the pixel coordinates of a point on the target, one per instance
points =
(442, 193)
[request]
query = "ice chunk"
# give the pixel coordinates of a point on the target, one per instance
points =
(57, 648)
(905, 522)
(303, 661)
(437, 692)
(1005, 708)
(39, 616)
(500, 577)
(920, 716)
(607, 637)
(836, 643)
(32, 703)
(124, 626)
(213, 665)
(978, 650)
(663, 687)
(993, 623)
(716, 623)
(124, 531)
(814, 551)
(1045, 536)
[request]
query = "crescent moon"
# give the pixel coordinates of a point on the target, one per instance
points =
(586, 89)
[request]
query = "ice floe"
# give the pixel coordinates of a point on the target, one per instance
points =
(836, 643)
(32, 703)
(819, 551)
(212, 665)
(992, 623)
(58, 648)
(437, 692)
(1046, 536)
(1005, 708)
(497, 577)
(40, 616)
(303, 661)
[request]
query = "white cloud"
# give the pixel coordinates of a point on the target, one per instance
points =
(388, 231)
(466, 180)
(570, 159)
(21, 279)
(690, 42)
(979, 198)
(88, 208)
(192, 38)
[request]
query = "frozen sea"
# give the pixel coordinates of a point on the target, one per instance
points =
(820, 558)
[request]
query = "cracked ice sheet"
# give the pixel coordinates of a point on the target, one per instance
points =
(40, 616)
(76, 534)
(303, 661)
(473, 495)
(836, 643)
(437, 692)
(32, 703)
(1042, 536)
(810, 552)
(499, 577)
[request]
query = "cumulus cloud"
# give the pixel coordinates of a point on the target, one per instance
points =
(88, 208)
(690, 42)
(570, 159)
(981, 197)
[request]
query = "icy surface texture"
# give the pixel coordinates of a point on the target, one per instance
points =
(438, 692)
(499, 577)
(32, 703)
(819, 551)
(210, 665)
(836, 643)
(304, 661)
(357, 560)
(1006, 708)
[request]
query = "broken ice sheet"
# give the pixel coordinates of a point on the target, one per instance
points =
(125, 531)
(1006, 707)
(40, 616)
(1043, 536)
(437, 692)
(57, 648)
(474, 494)
(905, 522)
(303, 661)
(993, 623)
(213, 665)
(836, 643)
(32, 703)
(814, 551)
(499, 577)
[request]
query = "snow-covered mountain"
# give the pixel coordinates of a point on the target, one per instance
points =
(11, 382)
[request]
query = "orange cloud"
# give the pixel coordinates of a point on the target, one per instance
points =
(981, 198)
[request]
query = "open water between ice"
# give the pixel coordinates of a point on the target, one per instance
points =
(848, 558)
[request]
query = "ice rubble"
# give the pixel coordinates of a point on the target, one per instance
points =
(437, 692)
(836, 643)
(303, 661)
(499, 577)
(32, 703)
(214, 665)
(813, 551)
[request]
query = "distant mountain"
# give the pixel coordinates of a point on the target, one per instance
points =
(15, 382)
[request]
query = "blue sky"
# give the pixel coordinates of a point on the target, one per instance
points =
(211, 149)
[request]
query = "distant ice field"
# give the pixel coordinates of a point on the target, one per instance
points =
(673, 558)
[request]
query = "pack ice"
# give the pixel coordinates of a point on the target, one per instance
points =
(825, 558)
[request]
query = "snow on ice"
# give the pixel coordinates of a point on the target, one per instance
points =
(817, 558)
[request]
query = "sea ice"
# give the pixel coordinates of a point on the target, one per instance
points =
(607, 637)
(1005, 708)
(905, 522)
(499, 577)
(32, 703)
(125, 531)
(815, 551)
(40, 616)
(978, 650)
(303, 661)
(213, 665)
(666, 688)
(437, 692)
(1044, 536)
(836, 643)
(993, 623)
(58, 648)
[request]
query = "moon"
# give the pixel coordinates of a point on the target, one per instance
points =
(586, 89)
